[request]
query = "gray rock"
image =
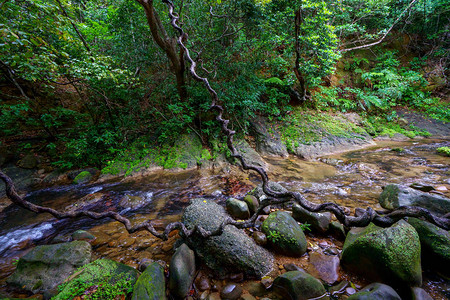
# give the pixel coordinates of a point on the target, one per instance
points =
(181, 271)
(151, 285)
(103, 271)
(190, 148)
(268, 140)
(284, 234)
(252, 203)
(376, 291)
(237, 209)
(419, 294)
(251, 157)
(319, 222)
(394, 196)
(389, 254)
(435, 244)
(231, 292)
(45, 267)
(274, 186)
(297, 285)
(232, 251)
(82, 235)
(332, 144)
(23, 179)
(324, 267)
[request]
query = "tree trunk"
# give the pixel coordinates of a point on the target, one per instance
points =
(168, 45)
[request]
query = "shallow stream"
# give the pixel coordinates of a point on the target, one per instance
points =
(353, 179)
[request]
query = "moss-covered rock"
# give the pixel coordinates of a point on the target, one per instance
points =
(106, 276)
(388, 254)
(44, 267)
(151, 284)
(252, 203)
(284, 234)
(83, 177)
(298, 285)
(435, 244)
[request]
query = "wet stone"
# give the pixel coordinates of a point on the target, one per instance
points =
(325, 267)
(237, 209)
(376, 291)
(231, 292)
(331, 251)
(255, 288)
(292, 267)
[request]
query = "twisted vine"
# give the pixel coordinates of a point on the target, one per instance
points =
(363, 218)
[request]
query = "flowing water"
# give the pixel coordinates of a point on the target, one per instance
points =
(353, 179)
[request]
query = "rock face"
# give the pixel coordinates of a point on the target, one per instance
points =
(376, 291)
(435, 244)
(284, 234)
(395, 195)
(232, 251)
(151, 284)
(181, 271)
(250, 156)
(268, 140)
(332, 144)
(320, 222)
(298, 285)
(390, 254)
(237, 209)
(103, 271)
(45, 267)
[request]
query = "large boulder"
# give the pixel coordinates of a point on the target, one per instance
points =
(232, 251)
(98, 278)
(284, 234)
(181, 271)
(151, 285)
(45, 267)
(320, 222)
(376, 291)
(298, 285)
(435, 244)
(388, 254)
(394, 196)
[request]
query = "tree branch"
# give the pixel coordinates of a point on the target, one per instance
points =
(386, 33)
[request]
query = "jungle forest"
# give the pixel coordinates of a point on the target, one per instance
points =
(218, 149)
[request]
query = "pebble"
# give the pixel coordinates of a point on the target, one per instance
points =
(331, 251)
(231, 292)
(267, 282)
(350, 291)
(238, 277)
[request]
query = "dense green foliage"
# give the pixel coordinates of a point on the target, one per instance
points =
(91, 81)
